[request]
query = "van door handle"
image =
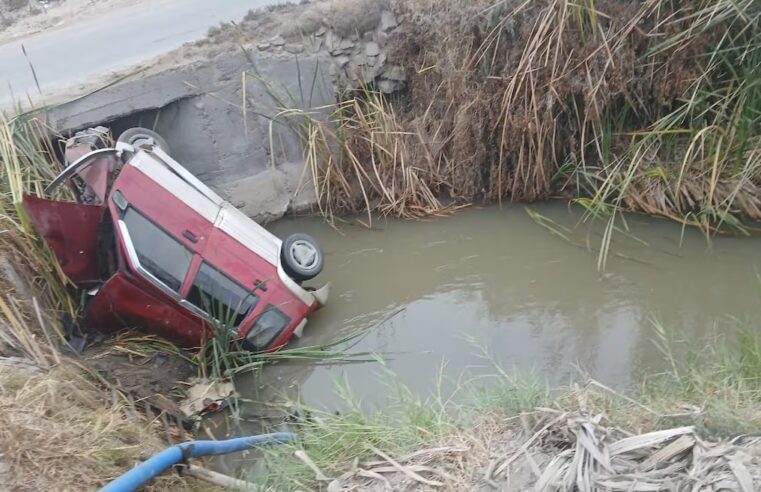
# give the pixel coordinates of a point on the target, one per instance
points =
(190, 236)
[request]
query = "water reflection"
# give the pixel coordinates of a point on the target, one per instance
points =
(534, 301)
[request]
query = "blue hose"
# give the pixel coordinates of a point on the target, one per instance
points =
(161, 462)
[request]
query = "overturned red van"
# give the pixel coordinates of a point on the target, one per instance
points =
(156, 249)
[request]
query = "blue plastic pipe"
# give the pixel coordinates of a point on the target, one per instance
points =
(161, 462)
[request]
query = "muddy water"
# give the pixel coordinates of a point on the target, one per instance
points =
(442, 292)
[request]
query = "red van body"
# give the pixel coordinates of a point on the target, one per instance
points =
(158, 250)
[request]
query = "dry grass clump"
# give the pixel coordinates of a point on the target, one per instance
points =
(362, 160)
(555, 451)
(644, 106)
(35, 290)
(59, 431)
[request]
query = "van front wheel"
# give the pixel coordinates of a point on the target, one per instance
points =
(302, 257)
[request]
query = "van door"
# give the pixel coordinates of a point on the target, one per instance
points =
(71, 230)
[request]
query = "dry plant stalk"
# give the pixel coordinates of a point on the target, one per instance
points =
(638, 106)
(567, 451)
(59, 431)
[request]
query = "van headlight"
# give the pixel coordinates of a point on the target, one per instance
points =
(268, 326)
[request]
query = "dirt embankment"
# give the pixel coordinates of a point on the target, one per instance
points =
(618, 106)
(526, 101)
(615, 106)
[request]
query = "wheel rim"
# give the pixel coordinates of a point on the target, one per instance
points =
(304, 254)
(142, 139)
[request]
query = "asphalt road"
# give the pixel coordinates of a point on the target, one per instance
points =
(90, 47)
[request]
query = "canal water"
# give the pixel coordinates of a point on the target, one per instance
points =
(447, 298)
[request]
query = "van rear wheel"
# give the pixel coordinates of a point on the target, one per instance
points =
(138, 136)
(302, 257)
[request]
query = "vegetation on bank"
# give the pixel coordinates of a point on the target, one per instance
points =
(461, 441)
(651, 107)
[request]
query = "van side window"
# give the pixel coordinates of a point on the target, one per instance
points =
(158, 253)
(221, 297)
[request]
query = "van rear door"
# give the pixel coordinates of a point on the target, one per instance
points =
(71, 230)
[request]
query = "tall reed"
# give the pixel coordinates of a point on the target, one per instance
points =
(646, 106)
(32, 316)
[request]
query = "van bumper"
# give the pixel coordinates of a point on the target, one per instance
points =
(322, 294)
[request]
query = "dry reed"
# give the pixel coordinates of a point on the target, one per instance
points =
(648, 106)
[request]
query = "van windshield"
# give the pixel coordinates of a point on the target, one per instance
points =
(221, 297)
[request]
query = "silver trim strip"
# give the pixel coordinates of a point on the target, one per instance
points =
(203, 314)
(192, 307)
(72, 168)
(132, 254)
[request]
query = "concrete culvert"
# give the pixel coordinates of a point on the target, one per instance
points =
(138, 136)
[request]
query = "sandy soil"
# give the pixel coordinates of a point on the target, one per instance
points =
(19, 22)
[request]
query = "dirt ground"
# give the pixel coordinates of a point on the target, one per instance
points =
(24, 17)
(153, 380)
(145, 377)
(60, 431)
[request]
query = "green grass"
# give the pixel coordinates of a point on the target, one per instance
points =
(697, 162)
(718, 381)
(224, 356)
(714, 384)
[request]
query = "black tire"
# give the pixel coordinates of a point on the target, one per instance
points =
(137, 136)
(302, 257)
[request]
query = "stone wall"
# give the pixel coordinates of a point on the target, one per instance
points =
(356, 60)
